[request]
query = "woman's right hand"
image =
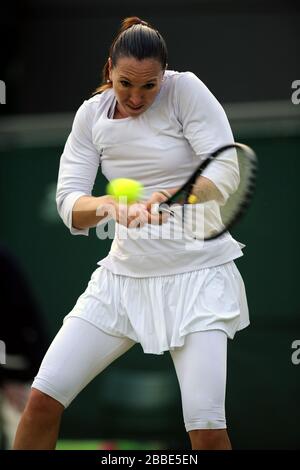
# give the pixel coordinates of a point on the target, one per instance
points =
(131, 216)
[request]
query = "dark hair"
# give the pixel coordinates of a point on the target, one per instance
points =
(138, 39)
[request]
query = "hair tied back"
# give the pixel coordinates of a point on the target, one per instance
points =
(132, 21)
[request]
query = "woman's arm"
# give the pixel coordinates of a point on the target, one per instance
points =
(205, 190)
(89, 210)
(206, 127)
(79, 165)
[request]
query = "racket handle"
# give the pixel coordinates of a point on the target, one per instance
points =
(162, 207)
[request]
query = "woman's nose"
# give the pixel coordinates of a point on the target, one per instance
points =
(136, 99)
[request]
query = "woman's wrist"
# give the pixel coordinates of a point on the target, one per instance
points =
(107, 200)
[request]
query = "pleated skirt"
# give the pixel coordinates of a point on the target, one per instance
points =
(158, 312)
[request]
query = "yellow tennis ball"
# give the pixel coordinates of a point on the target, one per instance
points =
(192, 199)
(125, 188)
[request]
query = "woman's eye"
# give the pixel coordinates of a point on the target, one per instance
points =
(124, 83)
(149, 86)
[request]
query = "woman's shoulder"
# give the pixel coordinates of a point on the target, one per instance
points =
(174, 76)
(99, 99)
(187, 85)
(182, 81)
(94, 106)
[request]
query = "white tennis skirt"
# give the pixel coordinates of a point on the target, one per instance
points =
(158, 312)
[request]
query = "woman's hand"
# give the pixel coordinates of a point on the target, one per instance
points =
(134, 215)
(137, 215)
(151, 206)
(131, 215)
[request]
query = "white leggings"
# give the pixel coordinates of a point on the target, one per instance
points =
(80, 351)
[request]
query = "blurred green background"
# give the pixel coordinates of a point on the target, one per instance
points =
(137, 397)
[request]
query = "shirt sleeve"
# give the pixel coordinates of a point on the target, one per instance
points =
(78, 168)
(206, 127)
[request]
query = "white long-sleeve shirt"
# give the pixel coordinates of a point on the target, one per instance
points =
(160, 148)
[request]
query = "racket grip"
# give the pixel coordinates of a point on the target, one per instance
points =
(162, 207)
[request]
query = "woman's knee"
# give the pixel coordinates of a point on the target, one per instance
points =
(39, 403)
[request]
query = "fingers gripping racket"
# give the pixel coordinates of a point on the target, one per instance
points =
(207, 208)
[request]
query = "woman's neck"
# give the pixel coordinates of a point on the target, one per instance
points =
(118, 114)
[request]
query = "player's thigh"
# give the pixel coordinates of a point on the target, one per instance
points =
(78, 353)
(201, 370)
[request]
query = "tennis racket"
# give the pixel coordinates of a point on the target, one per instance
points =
(208, 210)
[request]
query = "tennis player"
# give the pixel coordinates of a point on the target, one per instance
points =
(168, 293)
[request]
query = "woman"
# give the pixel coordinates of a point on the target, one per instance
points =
(165, 292)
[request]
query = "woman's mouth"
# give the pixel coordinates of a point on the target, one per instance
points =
(135, 108)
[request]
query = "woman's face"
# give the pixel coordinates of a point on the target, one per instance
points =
(136, 84)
